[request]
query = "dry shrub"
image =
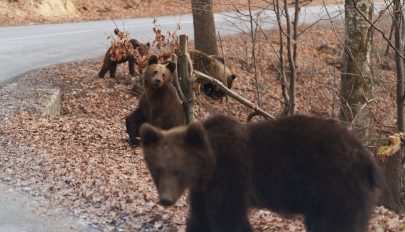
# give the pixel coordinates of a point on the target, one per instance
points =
(121, 47)
(163, 46)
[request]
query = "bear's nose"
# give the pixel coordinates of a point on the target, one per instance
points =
(166, 202)
(157, 82)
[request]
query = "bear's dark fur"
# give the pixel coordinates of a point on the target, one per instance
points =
(294, 165)
(215, 67)
(159, 104)
(110, 65)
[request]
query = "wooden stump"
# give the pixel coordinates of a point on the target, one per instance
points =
(392, 197)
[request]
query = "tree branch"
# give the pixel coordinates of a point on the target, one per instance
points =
(398, 53)
(234, 95)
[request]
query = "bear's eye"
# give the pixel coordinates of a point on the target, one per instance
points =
(155, 72)
(179, 173)
(163, 75)
(156, 172)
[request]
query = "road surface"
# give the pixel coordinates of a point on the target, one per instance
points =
(20, 213)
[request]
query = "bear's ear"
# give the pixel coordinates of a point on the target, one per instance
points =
(153, 59)
(171, 66)
(221, 59)
(196, 135)
(150, 135)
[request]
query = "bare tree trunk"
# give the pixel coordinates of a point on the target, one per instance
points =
(204, 26)
(183, 69)
(356, 82)
(399, 44)
(283, 81)
(291, 53)
(297, 9)
(392, 197)
(253, 39)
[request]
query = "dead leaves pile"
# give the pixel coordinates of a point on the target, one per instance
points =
(82, 163)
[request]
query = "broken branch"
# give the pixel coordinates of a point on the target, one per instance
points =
(234, 95)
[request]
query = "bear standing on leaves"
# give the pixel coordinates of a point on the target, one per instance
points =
(110, 65)
(159, 104)
(293, 165)
(215, 67)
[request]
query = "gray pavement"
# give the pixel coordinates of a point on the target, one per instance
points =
(21, 213)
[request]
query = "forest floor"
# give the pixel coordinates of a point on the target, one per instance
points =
(80, 161)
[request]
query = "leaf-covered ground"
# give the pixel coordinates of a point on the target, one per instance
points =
(81, 162)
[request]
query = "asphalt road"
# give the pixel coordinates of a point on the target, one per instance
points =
(20, 213)
(26, 48)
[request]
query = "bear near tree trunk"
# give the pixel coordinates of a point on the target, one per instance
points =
(204, 26)
(293, 165)
(159, 104)
(215, 67)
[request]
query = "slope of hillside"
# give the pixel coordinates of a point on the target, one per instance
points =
(18, 12)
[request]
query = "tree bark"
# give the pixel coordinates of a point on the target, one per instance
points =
(392, 170)
(282, 75)
(392, 197)
(292, 52)
(356, 83)
(183, 69)
(204, 26)
(399, 44)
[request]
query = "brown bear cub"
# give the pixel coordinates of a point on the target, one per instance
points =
(293, 165)
(215, 67)
(110, 65)
(159, 104)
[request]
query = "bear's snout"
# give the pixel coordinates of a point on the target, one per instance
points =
(169, 190)
(157, 82)
(166, 202)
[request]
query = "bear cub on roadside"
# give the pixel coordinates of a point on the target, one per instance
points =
(215, 67)
(293, 165)
(110, 65)
(159, 104)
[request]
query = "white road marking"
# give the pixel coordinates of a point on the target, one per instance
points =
(46, 35)
(86, 31)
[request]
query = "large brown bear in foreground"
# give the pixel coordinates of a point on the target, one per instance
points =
(110, 65)
(215, 67)
(159, 104)
(294, 165)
